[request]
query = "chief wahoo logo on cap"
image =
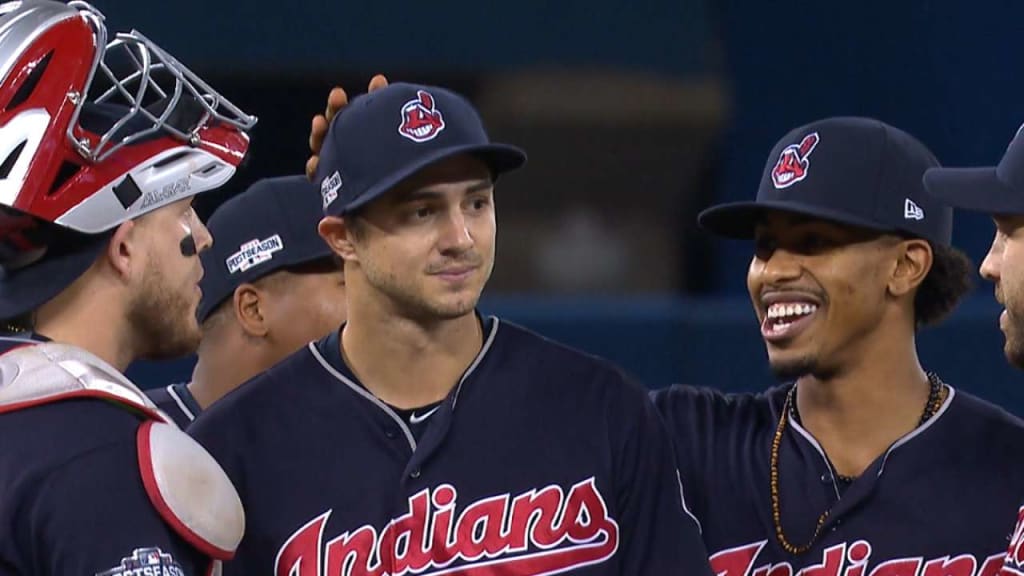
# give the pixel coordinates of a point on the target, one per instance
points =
(793, 162)
(420, 120)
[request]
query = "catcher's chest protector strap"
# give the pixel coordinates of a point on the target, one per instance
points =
(186, 486)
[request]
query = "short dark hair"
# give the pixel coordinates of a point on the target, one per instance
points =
(272, 281)
(216, 317)
(948, 281)
(356, 223)
(25, 322)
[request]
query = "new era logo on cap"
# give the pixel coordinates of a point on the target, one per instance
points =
(421, 120)
(912, 211)
(253, 253)
(793, 162)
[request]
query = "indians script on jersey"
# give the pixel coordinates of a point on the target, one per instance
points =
(1014, 565)
(545, 531)
(851, 559)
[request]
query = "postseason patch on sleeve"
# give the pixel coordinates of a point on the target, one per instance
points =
(146, 562)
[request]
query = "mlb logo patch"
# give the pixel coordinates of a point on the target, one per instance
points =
(794, 162)
(254, 252)
(330, 187)
(421, 120)
(145, 562)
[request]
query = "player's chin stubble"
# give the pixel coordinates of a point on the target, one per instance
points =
(1014, 347)
(162, 319)
(450, 306)
(795, 368)
(420, 298)
(417, 301)
(792, 369)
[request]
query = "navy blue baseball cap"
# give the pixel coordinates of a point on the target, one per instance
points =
(270, 226)
(992, 190)
(855, 171)
(68, 255)
(385, 136)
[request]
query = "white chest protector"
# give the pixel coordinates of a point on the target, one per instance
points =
(184, 483)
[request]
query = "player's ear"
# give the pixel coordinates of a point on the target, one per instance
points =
(123, 250)
(913, 261)
(340, 236)
(248, 310)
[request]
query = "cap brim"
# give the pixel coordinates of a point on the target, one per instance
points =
(976, 189)
(739, 219)
(500, 158)
(28, 288)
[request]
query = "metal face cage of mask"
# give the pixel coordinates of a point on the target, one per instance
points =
(136, 72)
(80, 116)
(94, 133)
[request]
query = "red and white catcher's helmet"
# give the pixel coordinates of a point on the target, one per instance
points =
(95, 131)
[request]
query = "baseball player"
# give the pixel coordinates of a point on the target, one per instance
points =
(422, 437)
(998, 191)
(863, 463)
(103, 143)
(270, 286)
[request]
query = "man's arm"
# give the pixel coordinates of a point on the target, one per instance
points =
(93, 516)
(659, 533)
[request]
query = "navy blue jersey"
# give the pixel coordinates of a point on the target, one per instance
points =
(540, 461)
(176, 401)
(940, 502)
(9, 342)
(72, 499)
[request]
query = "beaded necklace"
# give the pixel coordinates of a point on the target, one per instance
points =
(789, 410)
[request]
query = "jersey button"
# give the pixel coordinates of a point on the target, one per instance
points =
(391, 433)
(826, 478)
(415, 474)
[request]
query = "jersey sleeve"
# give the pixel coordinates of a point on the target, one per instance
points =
(214, 429)
(695, 418)
(659, 535)
(92, 516)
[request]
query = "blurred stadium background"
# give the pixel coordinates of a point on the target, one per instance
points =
(635, 115)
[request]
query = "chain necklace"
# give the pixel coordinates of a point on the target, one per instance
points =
(789, 409)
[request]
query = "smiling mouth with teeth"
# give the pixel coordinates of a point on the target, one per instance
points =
(783, 314)
(422, 130)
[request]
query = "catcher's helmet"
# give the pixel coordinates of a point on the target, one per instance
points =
(96, 132)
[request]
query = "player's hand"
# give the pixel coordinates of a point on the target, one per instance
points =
(336, 100)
